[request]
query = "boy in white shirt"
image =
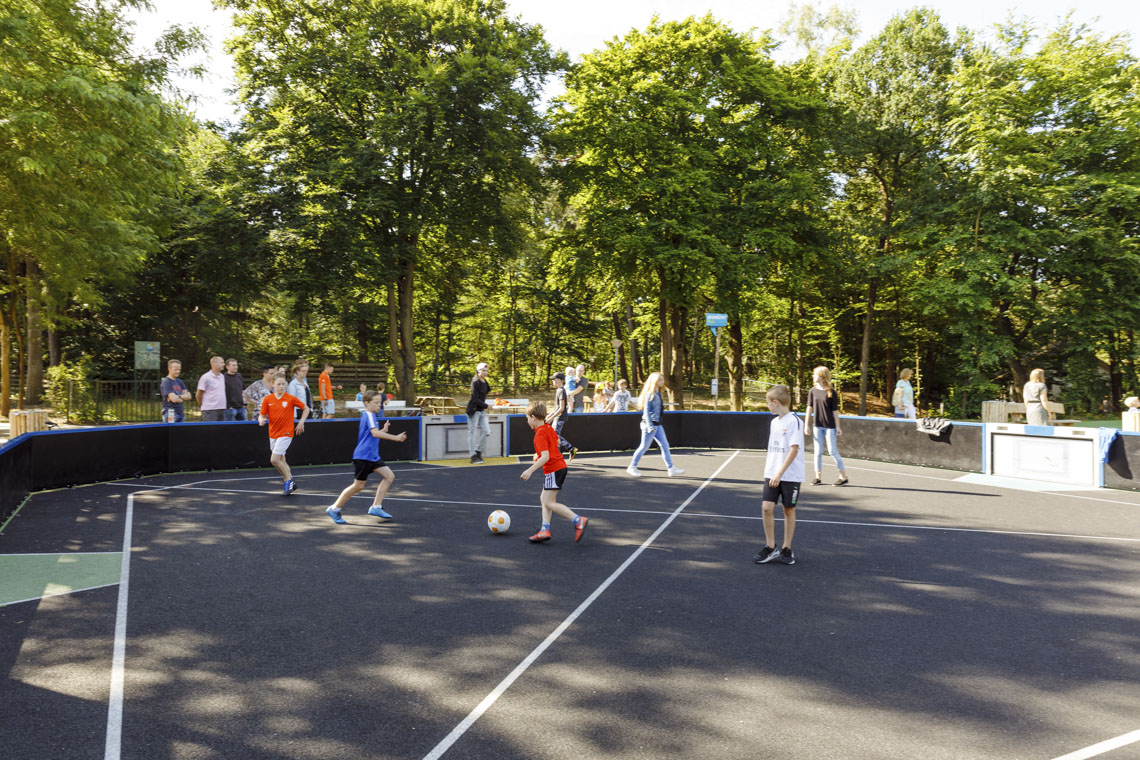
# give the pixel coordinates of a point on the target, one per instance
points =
(783, 475)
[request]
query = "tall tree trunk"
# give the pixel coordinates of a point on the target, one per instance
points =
(362, 340)
(5, 365)
(634, 379)
(674, 329)
(35, 361)
(53, 347)
(406, 368)
(865, 354)
(889, 373)
(620, 369)
(735, 362)
(799, 354)
(394, 340)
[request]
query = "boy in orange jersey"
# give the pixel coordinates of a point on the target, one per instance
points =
(325, 391)
(277, 412)
(554, 469)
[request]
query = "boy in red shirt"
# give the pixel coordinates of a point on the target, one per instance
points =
(277, 412)
(549, 458)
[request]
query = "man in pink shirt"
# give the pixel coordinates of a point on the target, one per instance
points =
(212, 392)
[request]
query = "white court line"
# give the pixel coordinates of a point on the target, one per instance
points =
(522, 667)
(114, 743)
(1106, 746)
(892, 526)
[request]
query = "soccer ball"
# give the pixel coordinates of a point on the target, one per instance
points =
(499, 521)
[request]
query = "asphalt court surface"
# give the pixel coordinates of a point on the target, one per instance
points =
(925, 618)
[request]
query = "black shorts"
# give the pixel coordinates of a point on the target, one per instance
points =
(552, 481)
(362, 468)
(788, 492)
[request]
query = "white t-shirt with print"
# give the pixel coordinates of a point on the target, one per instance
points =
(786, 431)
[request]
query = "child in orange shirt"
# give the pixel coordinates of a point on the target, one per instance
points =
(325, 391)
(277, 412)
(554, 469)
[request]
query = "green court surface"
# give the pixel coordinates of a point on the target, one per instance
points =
(32, 576)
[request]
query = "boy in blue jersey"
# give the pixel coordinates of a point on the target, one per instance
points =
(366, 460)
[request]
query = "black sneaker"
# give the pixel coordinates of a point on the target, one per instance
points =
(786, 556)
(765, 555)
(573, 453)
(841, 482)
(478, 458)
(816, 482)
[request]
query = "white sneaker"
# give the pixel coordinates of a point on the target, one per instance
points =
(633, 471)
(675, 471)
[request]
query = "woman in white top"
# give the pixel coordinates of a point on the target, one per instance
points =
(903, 397)
(1036, 395)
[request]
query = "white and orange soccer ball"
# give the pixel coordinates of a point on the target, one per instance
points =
(499, 521)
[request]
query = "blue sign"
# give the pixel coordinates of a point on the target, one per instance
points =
(716, 320)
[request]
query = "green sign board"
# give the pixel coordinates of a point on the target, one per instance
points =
(147, 355)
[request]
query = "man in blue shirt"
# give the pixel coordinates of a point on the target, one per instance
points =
(174, 393)
(366, 460)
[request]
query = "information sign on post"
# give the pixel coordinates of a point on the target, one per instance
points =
(716, 321)
(147, 355)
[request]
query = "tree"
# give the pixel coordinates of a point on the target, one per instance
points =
(671, 139)
(87, 143)
(389, 130)
(891, 100)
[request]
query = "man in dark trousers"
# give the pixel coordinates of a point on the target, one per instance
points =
(235, 385)
(478, 426)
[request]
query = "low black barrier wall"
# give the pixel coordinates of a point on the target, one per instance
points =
(893, 440)
(882, 439)
(1123, 467)
(15, 476)
(72, 457)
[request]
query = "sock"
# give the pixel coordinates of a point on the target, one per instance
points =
(577, 519)
(546, 526)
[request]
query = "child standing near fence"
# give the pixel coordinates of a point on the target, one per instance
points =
(822, 423)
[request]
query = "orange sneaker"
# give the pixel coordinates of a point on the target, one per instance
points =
(580, 528)
(542, 535)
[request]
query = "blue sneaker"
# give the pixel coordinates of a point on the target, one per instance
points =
(289, 486)
(378, 511)
(334, 513)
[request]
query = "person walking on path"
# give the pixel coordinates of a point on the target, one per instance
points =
(903, 397)
(212, 392)
(478, 426)
(783, 475)
(548, 458)
(299, 385)
(235, 383)
(651, 430)
(174, 393)
(277, 412)
(822, 423)
(1036, 395)
(366, 460)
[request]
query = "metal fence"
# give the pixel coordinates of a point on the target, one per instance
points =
(120, 401)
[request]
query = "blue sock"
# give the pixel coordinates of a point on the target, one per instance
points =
(577, 519)
(546, 526)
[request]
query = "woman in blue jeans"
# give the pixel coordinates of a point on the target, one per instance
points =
(822, 423)
(651, 429)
